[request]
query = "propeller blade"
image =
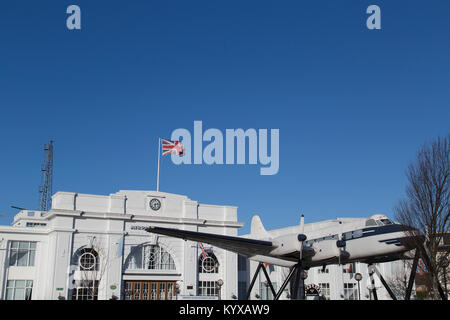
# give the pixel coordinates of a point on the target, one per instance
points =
(301, 238)
(341, 245)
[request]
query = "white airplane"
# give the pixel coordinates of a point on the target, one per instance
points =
(340, 241)
(344, 240)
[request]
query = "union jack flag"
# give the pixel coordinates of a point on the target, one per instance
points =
(350, 268)
(203, 250)
(172, 147)
(421, 268)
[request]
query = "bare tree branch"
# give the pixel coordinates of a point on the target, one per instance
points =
(426, 207)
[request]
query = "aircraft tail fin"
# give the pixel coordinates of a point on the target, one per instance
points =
(257, 229)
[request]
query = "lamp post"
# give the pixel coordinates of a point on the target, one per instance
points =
(358, 278)
(266, 284)
(219, 286)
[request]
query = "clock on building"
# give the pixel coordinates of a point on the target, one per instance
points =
(155, 204)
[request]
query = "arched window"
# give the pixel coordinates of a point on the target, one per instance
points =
(151, 257)
(88, 260)
(208, 263)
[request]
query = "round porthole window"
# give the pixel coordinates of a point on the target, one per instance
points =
(208, 264)
(87, 261)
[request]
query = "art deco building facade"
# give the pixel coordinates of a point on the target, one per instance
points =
(96, 247)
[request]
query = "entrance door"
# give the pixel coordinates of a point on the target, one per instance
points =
(149, 290)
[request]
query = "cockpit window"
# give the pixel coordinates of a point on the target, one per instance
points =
(371, 222)
(386, 221)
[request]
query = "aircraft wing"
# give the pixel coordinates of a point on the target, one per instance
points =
(244, 246)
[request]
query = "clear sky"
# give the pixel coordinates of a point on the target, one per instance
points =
(352, 105)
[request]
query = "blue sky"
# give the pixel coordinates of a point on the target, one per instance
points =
(352, 105)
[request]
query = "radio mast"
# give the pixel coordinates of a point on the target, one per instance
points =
(45, 189)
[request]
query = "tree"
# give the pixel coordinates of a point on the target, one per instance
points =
(399, 281)
(93, 261)
(425, 210)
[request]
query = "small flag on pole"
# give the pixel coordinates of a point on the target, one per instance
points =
(172, 147)
(203, 250)
(120, 247)
(421, 268)
(167, 148)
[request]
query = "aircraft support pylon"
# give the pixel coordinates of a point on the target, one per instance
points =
(372, 280)
(298, 288)
(260, 266)
(286, 281)
(412, 276)
(373, 269)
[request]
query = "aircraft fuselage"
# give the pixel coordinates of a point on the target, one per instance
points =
(361, 240)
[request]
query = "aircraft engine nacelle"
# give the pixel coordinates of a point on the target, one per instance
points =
(326, 249)
(288, 243)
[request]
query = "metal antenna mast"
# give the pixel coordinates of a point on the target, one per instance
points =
(45, 189)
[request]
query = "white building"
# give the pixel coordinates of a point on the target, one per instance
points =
(94, 246)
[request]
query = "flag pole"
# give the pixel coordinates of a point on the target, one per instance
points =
(159, 157)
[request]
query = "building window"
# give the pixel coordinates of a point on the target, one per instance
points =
(35, 224)
(208, 263)
(208, 288)
(85, 290)
(22, 253)
(89, 260)
(325, 289)
(151, 257)
(350, 291)
(324, 271)
(19, 289)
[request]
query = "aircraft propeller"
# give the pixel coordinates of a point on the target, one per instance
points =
(301, 237)
(341, 245)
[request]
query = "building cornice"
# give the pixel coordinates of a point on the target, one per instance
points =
(142, 218)
(27, 230)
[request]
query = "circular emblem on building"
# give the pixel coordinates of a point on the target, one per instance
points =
(155, 204)
(313, 290)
